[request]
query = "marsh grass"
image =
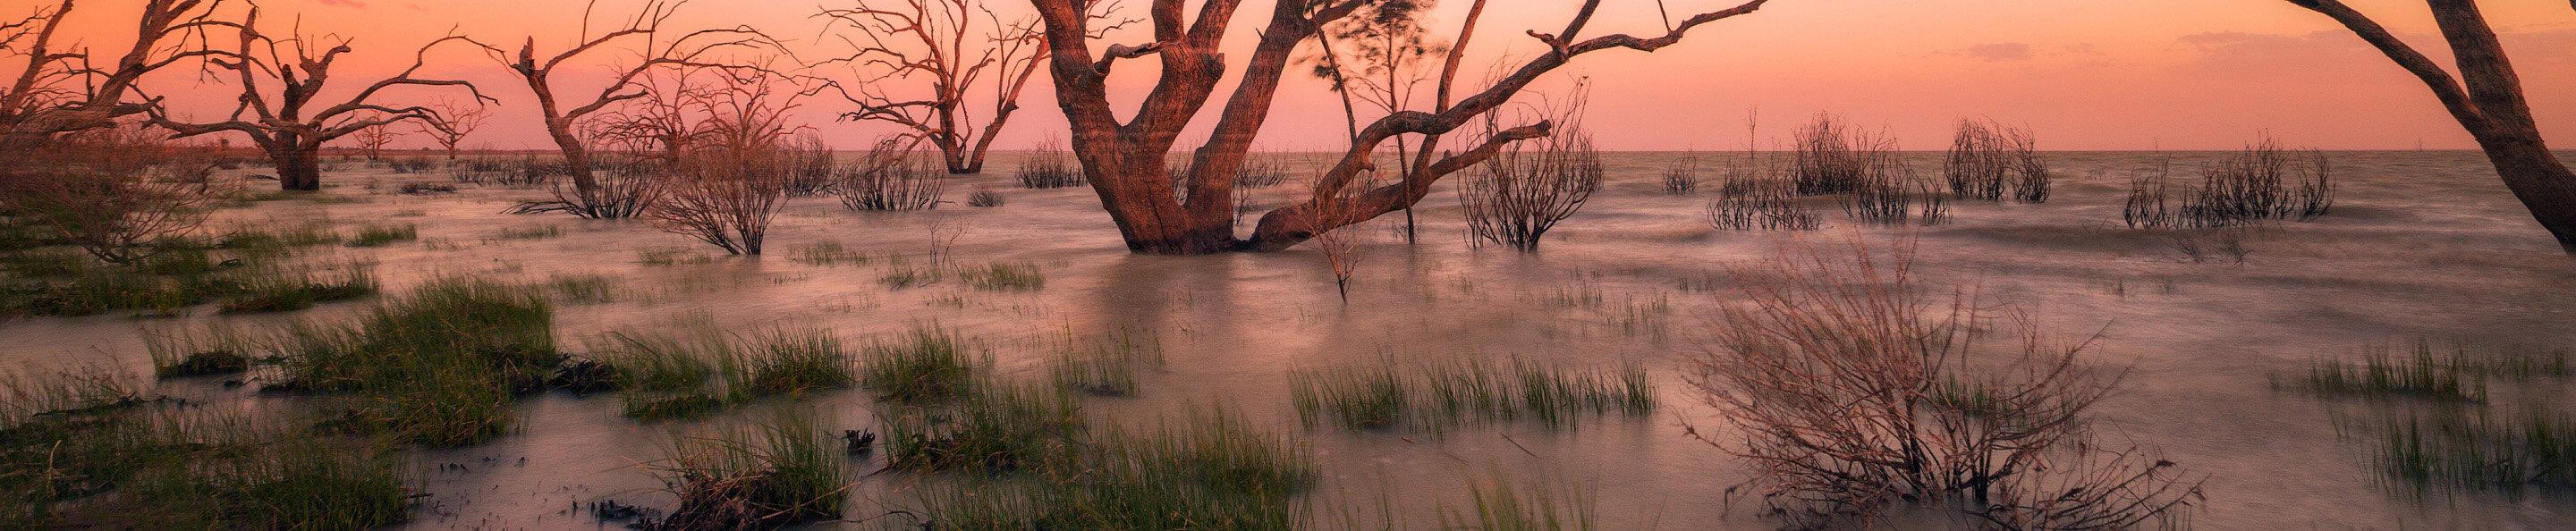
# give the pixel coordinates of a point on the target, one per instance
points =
(1496, 505)
(583, 289)
(206, 351)
(992, 429)
(194, 468)
(530, 232)
(694, 374)
(288, 288)
(383, 235)
(902, 273)
(984, 198)
(1005, 276)
(778, 473)
(927, 364)
(826, 254)
(439, 366)
(1207, 471)
(262, 242)
(2423, 370)
(1440, 397)
(2533, 452)
(1106, 366)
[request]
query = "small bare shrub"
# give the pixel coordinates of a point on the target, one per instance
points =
(113, 192)
(1050, 166)
(2264, 182)
(1682, 177)
(1749, 204)
(1830, 157)
(1853, 394)
(725, 198)
(1530, 186)
(984, 198)
(1987, 160)
(809, 163)
(892, 177)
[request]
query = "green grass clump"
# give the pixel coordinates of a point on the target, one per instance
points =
(1357, 400)
(1439, 397)
(792, 362)
(267, 243)
(76, 436)
(96, 290)
(783, 472)
(211, 351)
(437, 367)
(995, 429)
(827, 254)
(383, 235)
(296, 481)
(2424, 372)
(1001, 276)
(583, 289)
(661, 376)
(531, 232)
(927, 364)
(1209, 473)
(1498, 506)
(1106, 366)
(284, 289)
(2513, 456)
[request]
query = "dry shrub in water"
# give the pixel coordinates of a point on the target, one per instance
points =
(1747, 203)
(809, 164)
(1525, 190)
(1853, 394)
(2261, 183)
(1831, 158)
(1986, 160)
(726, 196)
(113, 192)
(1682, 177)
(892, 177)
(1050, 167)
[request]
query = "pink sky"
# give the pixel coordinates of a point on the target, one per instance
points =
(2084, 74)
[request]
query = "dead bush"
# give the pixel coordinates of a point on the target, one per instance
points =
(1525, 190)
(113, 192)
(892, 177)
(1987, 160)
(1850, 393)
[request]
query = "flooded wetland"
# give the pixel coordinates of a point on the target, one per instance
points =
(2215, 355)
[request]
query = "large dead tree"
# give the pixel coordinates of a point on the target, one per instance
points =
(932, 41)
(292, 124)
(2489, 105)
(564, 117)
(456, 121)
(63, 89)
(1124, 159)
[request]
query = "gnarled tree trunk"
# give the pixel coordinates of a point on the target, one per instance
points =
(298, 169)
(1194, 214)
(2489, 105)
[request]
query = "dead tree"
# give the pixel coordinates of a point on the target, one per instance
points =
(1124, 159)
(292, 125)
(929, 41)
(2489, 104)
(62, 90)
(563, 118)
(456, 122)
(729, 184)
(373, 140)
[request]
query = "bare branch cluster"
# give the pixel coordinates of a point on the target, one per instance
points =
(1851, 394)
(1987, 160)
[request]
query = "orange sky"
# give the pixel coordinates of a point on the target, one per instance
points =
(2085, 74)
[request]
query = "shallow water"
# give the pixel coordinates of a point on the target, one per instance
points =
(2420, 245)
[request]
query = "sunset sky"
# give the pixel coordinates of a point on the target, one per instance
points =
(2085, 74)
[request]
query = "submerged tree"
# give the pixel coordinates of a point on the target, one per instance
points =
(1125, 159)
(2489, 105)
(61, 90)
(564, 117)
(930, 41)
(292, 125)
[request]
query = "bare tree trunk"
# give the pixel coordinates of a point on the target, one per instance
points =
(298, 169)
(2489, 105)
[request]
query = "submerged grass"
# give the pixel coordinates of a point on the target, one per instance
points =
(1443, 396)
(2536, 452)
(661, 376)
(927, 364)
(1003, 276)
(1209, 472)
(2422, 370)
(290, 288)
(383, 235)
(583, 289)
(779, 473)
(994, 429)
(1498, 506)
(1106, 366)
